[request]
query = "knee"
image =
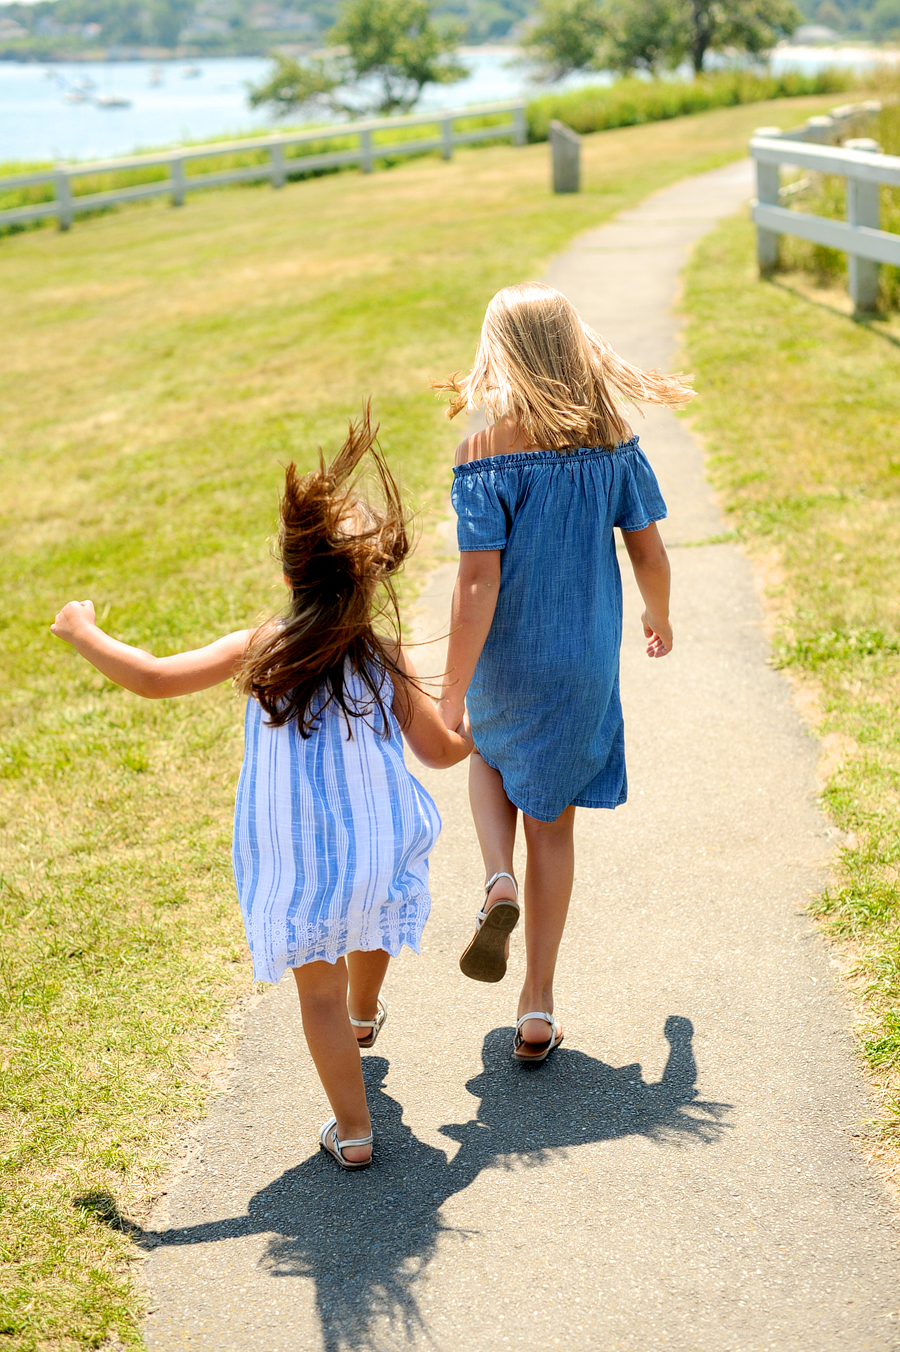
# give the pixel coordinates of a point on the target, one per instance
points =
(321, 986)
(550, 833)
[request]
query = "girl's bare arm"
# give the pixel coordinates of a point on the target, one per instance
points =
(652, 573)
(434, 744)
(471, 614)
(139, 671)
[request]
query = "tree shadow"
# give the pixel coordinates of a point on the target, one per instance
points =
(366, 1239)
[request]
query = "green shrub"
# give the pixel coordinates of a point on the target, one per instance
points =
(631, 101)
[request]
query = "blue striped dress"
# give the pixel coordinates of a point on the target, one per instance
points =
(331, 839)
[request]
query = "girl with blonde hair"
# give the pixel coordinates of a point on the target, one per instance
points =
(536, 619)
(331, 832)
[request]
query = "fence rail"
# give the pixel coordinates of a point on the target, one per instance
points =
(279, 168)
(860, 237)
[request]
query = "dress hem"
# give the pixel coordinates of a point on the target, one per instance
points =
(410, 940)
(607, 804)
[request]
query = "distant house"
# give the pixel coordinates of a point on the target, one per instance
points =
(809, 34)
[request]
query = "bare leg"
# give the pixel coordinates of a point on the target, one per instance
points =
(495, 822)
(322, 987)
(548, 887)
(367, 972)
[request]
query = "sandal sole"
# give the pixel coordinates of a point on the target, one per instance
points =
(541, 1056)
(485, 957)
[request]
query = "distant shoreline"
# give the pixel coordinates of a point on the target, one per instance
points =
(844, 49)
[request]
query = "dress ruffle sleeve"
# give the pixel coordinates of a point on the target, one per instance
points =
(640, 502)
(482, 519)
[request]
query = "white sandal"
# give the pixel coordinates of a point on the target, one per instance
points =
(328, 1140)
(553, 1041)
(375, 1024)
(485, 957)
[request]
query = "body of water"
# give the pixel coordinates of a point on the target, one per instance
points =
(50, 112)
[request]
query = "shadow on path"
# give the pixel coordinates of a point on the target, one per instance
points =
(365, 1240)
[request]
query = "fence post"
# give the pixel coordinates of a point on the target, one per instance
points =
(63, 199)
(862, 274)
(365, 149)
(520, 126)
(277, 175)
(447, 136)
(176, 177)
(768, 185)
(565, 150)
(821, 130)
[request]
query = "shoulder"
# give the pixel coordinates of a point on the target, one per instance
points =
(479, 446)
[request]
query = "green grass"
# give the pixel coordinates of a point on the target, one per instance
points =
(799, 409)
(156, 369)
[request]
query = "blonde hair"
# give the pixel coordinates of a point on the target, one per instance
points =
(541, 365)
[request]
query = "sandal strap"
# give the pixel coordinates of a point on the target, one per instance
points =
(538, 1014)
(370, 1023)
(483, 914)
(361, 1140)
(496, 878)
(330, 1131)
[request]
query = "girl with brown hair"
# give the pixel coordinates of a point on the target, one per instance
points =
(332, 833)
(537, 611)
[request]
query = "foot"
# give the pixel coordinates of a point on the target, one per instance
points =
(528, 1046)
(337, 1144)
(367, 1026)
(502, 890)
(535, 1030)
(487, 953)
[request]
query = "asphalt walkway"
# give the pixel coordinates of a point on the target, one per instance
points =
(682, 1173)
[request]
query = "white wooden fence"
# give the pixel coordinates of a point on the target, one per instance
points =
(277, 170)
(866, 245)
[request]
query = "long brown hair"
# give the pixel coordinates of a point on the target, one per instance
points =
(539, 363)
(340, 555)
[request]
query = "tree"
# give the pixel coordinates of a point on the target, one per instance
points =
(884, 20)
(386, 51)
(645, 35)
(751, 26)
(630, 35)
(567, 36)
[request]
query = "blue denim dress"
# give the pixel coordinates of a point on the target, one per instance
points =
(544, 701)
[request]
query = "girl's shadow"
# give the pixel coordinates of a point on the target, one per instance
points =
(365, 1240)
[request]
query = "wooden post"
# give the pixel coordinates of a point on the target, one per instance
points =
(863, 208)
(520, 126)
(565, 149)
(176, 177)
(65, 211)
(447, 137)
(365, 147)
(277, 175)
(768, 185)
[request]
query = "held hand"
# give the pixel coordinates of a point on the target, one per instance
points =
(465, 732)
(73, 619)
(659, 634)
(451, 711)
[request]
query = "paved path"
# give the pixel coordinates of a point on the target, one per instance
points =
(681, 1174)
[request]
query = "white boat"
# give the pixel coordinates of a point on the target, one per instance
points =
(75, 96)
(155, 77)
(112, 101)
(191, 72)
